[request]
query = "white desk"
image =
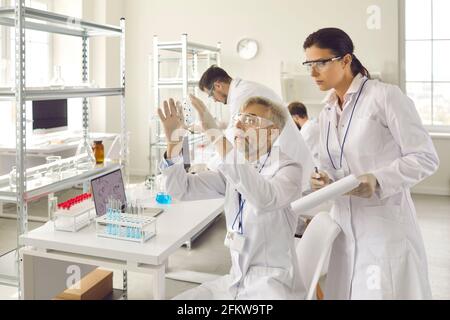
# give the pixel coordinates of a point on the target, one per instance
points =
(179, 223)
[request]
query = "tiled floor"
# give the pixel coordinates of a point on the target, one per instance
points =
(209, 255)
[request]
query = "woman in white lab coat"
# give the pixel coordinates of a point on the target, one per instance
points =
(259, 186)
(372, 130)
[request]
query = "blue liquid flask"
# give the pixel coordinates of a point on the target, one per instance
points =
(163, 198)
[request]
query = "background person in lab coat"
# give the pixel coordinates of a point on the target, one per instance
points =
(372, 130)
(258, 186)
(309, 128)
(218, 85)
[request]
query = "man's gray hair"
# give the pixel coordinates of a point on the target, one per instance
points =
(278, 113)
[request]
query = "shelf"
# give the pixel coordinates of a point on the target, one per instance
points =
(56, 23)
(192, 48)
(176, 83)
(69, 179)
(36, 94)
(190, 57)
(193, 139)
(187, 55)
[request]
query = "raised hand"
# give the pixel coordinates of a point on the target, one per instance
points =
(172, 119)
(207, 120)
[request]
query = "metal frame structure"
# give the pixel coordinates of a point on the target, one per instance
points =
(187, 51)
(22, 18)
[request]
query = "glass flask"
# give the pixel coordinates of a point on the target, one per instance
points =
(57, 82)
(86, 160)
(162, 197)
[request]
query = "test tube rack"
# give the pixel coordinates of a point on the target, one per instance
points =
(74, 214)
(124, 226)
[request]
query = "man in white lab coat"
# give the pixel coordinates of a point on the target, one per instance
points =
(218, 85)
(259, 183)
(309, 128)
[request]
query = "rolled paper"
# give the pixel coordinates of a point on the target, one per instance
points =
(325, 194)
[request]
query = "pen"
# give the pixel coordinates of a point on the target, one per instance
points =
(317, 173)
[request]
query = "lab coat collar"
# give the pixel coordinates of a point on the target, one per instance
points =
(332, 98)
(235, 83)
(231, 93)
(264, 159)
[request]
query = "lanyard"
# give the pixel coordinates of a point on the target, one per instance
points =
(346, 132)
(240, 213)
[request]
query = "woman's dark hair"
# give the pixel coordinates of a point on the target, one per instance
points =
(213, 74)
(339, 43)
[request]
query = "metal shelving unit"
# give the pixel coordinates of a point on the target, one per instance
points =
(36, 94)
(187, 55)
(22, 18)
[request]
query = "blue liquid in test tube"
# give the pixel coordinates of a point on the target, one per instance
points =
(138, 234)
(108, 217)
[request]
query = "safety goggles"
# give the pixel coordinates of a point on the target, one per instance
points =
(319, 65)
(250, 120)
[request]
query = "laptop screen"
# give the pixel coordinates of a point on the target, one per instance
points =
(109, 186)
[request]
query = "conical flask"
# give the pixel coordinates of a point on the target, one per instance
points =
(85, 154)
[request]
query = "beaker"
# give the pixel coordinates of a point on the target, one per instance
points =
(52, 206)
(53, 169)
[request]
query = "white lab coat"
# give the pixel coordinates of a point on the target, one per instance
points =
(380, 253)
(291, 141)
(311, 134)
(267, 269)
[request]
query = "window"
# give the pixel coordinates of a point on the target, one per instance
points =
(427, 62)
(38, 49)
(38, 54)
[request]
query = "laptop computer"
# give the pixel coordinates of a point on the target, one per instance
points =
(106, 187)
(111, 186)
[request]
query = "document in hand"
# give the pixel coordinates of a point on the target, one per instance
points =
(328, 193)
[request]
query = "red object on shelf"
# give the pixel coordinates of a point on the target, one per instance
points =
(74, 201)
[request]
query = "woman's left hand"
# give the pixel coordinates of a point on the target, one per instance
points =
(366, 188)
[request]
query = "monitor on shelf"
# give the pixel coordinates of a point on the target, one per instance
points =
(50, 116)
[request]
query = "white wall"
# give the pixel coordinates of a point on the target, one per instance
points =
(439, 183)
(280, 26)
(67, 54)
(103, 60)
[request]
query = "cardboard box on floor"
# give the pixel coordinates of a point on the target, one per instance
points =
(96, 285)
